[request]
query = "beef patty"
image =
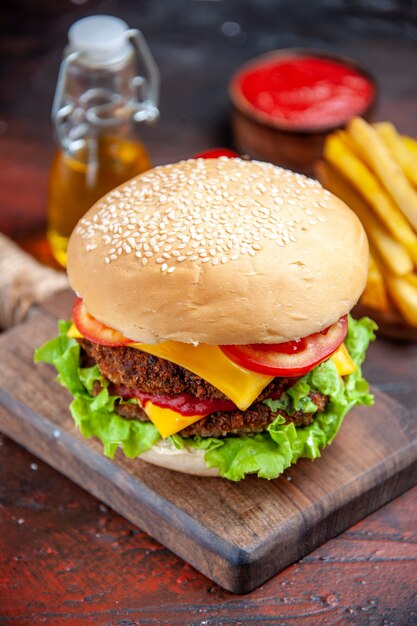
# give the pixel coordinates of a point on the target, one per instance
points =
(138, 370)
(122, 365)
(254, 420)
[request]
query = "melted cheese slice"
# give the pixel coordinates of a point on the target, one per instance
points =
(343, 361)
(166, 421)
(240, 385)
(74, 333)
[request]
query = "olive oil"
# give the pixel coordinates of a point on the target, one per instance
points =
(78, 179)
(100, 97)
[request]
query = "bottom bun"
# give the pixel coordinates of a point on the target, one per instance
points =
(187, 461)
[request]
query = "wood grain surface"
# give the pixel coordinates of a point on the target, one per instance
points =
(66, 559)
(239, 535)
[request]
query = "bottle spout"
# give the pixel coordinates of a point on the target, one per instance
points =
(101, 39)
(108, 77)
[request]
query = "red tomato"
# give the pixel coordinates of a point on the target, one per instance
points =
(93, 330)
(292, 358)
(214, 153)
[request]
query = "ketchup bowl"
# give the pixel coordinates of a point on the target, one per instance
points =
(285, 103)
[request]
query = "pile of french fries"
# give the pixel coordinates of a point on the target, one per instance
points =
(373, 169)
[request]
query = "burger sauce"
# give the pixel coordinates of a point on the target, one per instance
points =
(306, 92)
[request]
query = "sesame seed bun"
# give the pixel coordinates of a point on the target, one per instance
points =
(218, 251)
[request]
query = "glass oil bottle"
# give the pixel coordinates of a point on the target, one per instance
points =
(100, 97)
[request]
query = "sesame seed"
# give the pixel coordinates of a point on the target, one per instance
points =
(198, 209)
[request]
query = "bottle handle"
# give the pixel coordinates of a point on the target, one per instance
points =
(61, 108)
(143, 110)
(148, 110)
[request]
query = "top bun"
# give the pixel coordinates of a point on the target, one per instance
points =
(218, 251)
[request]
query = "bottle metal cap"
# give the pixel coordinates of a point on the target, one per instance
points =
(101, 38)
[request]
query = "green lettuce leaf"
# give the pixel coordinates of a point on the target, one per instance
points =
(95, 416)
(267, 454)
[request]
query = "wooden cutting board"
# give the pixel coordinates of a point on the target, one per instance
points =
(237, 534)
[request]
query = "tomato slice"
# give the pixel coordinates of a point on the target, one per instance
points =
(292, 358)
(214, 153)
(93, 330)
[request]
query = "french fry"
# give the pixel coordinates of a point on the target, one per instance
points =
(375, 294)
(393, 254)
(387, 170)
(351, 144)
(404, 295)
(410, 144)
(412, 279)
(359, 175)
(405, 159)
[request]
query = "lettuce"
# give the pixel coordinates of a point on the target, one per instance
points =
(95, 416)
(267, 454)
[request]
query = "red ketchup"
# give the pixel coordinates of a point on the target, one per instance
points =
(306, 92)
(182, 403)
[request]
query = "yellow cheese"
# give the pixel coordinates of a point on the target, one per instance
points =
(74, 333)
(166, 421)
(343, 361)
(208, 362)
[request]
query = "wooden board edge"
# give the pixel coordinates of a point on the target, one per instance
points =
(261, 567)
(387, 480)
(63, 452)
(235, 569)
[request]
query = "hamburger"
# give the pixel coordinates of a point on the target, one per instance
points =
(211, 331)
